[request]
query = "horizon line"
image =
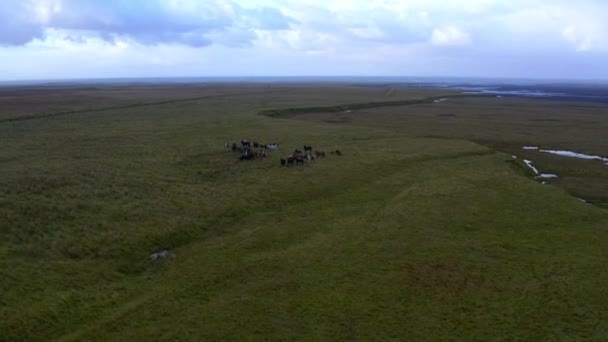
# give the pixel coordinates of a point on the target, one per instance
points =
(412, 79)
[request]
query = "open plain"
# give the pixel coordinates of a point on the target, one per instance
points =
(124, 217)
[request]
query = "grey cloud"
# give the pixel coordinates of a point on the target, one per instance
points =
(148, 22)
(16, 27)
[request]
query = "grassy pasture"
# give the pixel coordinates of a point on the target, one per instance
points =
(414, 234)
(507, 124)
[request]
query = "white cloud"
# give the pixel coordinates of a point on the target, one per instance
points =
(580, 42)
(450, 36)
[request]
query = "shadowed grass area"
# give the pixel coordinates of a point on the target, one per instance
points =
(401, 237)
(347, 108)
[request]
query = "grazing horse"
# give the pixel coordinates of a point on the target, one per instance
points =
(256, 145)
(307, 148)
(245, 143)
(283, 161)
(247, 154)
(310, 157)
(299, 160)
(272, 147)
(234, 147)
(297, 154)
(290, 160)
(338, 153)
(320, 154)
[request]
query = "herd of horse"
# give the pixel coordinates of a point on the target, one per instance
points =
(252, 150)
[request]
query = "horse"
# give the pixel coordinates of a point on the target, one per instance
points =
(338, 153)
(307, 148)
(283, 161)
(245, 143)
(320, 154)
(290, 160)
(299, 160)
(247, 154)
(234, 147)
(310, 157)
(256, 145)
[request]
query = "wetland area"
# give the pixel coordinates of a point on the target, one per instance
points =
(446, 216)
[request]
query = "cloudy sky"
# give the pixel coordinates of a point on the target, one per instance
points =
(49, 39)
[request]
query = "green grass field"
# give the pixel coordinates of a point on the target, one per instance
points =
(506, 124)
(424, 229)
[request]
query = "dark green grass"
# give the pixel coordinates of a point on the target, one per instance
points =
(401, 238)
(411, 253)
(344, 109)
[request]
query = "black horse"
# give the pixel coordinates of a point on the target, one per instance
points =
(247, 154)
(307, 148)
(245, 143)
(283, 161)
(320, 154)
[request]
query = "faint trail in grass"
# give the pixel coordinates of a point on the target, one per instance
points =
(134, 105)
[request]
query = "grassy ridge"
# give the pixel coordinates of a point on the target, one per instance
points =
(401, 238)
(289, 112)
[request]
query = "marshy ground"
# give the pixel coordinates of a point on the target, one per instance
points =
(425, 229)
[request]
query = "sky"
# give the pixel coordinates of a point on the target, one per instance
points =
(67, 39)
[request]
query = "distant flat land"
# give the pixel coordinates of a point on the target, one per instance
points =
(425, 228)
(506, 124)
